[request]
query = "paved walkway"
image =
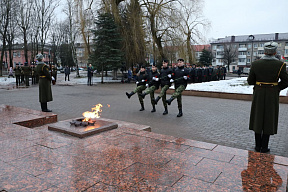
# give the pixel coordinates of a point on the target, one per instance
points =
(124, 159)
(217, 121)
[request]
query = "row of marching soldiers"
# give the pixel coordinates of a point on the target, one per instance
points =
(23, 73)
(148, 83)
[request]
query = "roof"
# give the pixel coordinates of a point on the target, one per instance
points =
(257, 37)
(199, 48)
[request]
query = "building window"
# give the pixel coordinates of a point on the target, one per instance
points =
(233, 68)
(261, 52)
(242, 45)
(279, 45)
(255, 53)
(261, 44)
(19, 54)
(248, 52)
(249, 46)
(286, 51)
(255, 45)
(14, 54)
(242, 52)
(286, 44)
(248, 60)
(241, 60)
(214, 47)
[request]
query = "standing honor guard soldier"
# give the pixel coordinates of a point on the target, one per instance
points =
(264, 75)
(141, 81)
(45, 91)
(165, 77)
(27, 73)
(33, 74)
(154, 82)
(181, 75)
(17, 70)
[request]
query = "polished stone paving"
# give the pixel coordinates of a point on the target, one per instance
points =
(32, 158)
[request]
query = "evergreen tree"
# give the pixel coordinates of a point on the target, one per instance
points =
(107, 51)
(66, 55)
(206, 57)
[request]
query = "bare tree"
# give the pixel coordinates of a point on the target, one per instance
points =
(193, 24)
(45, 10)
(230, 53)
(5, 19)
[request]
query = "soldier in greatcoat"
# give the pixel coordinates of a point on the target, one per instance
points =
(27, 73)
(45, 91)
(17, 70)
(264, 75)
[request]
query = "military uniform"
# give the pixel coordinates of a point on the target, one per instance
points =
(141, 81)
(17, 70)
(33, 74)
(27, 73)
(165, 77)
(181, 75)
(45, 91)
(264, 75)
(154, 83)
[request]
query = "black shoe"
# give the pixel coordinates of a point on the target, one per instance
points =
(129, 94)
(180, 114)
(156, 100)
(265, 150)
(169, 101)
(166, 111)
(153, 110)
(47, 110)
(257, 149)
(142, 107)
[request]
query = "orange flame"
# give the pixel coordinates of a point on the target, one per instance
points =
(94, 114)
(108, 105)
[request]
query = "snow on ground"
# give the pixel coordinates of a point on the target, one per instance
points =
(235, 85)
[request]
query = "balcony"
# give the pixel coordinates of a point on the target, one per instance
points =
(219, 56)
(242, 49)
(286, 47)
(220, 49)
(260, 48)
(241, 63)
(242, 56)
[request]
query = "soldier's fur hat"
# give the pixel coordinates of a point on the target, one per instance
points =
(180, 59)
(39, 57)
(165, 60)
(270, 48)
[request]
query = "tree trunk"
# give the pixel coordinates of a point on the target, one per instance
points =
(25, 44)
(190, 57)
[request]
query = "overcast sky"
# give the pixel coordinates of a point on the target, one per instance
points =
(246, 17)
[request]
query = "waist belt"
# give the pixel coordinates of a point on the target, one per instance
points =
(42, 76)
(266, 83)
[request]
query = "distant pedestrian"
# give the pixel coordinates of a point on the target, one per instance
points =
(264, 75)
(10, 73)
(45, 91)
(89, 74)
(17, 70)
(129, 75)
(67, 73)
(239, 72)
(27, 73)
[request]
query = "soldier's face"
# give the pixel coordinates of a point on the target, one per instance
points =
(180, 63)
(142, 69)
(154, 68)
(164, 64)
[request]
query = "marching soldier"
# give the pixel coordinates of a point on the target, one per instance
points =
(210, 72)
(17, 70)
(27, 73)
(154, 82)
(45, 91)
(141, 81)
(180, 81)
(33, 74)
(264, 75)
(165, 77)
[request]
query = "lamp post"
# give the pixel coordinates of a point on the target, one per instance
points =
(251, 38)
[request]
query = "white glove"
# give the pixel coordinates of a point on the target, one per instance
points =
(171, 80)
(169, 75)
(147, 85)
(143, 80)
(137, 82)
(156, 79)
(53, 79)
(185, 77)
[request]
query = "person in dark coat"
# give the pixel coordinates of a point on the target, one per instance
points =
(141, 81)
(90, 74)
(181, 75)
(153, 83)
(45, 91)
(17, 70)
(264, 75)
(239, 72)
(27, 73)
(67, 73)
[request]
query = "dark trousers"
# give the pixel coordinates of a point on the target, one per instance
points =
(262, 140)
(44, 106)
(33, 79)
(67, 76)
(89, 80)
(18, 80)
(27, 80)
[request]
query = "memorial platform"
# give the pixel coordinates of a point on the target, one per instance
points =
(128, 158)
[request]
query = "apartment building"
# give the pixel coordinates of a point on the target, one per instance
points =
(248, 48)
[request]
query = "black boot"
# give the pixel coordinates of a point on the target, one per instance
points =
(44, 107)
(153, 110)
(129, 94)
(142, 107)
(166, 111)
(169, 101)
(264, 144)
(142, 95)
(180, 114)
(156, 100)
(257, 142)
